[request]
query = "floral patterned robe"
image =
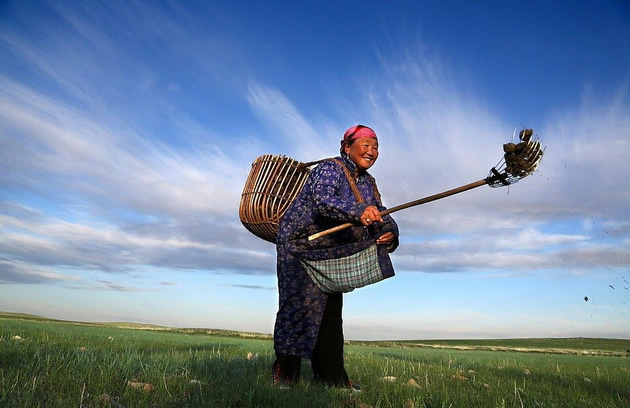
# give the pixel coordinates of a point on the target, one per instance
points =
(325, 201)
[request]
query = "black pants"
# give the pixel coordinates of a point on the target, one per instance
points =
(327, 359)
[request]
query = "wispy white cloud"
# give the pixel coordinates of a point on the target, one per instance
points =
(56, 243)
(110, 286)
(64, 146)
(531, 239)
(525, 250)
(298, 136)
(257, 287)
(12, 271)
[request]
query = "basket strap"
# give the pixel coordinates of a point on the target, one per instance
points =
(376, 192)
(350, 178)
(312, 163)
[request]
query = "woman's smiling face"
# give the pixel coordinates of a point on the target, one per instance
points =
(363, 152)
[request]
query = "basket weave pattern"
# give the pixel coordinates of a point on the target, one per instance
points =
(272, 185)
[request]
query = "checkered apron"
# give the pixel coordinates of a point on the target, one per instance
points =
(347, 273)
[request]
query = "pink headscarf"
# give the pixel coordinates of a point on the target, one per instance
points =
(357, 132)
(353, 133)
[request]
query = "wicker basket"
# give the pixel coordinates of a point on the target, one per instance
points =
(272, 185)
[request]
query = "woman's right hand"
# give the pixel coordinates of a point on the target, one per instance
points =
(370, 215)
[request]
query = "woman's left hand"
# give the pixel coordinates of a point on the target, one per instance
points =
(386, 238)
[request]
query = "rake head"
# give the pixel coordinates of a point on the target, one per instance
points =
(519, 161)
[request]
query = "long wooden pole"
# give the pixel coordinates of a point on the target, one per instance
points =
(406, 205)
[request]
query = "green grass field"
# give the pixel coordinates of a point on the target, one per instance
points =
(46, 363)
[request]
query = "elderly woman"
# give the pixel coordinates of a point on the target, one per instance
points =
(309, 321)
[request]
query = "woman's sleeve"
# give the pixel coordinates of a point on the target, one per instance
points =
(327, 202)
(389, 225)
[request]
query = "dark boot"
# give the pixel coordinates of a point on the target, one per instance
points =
(286, 369)
(327, 359)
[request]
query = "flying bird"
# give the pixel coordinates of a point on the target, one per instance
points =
(586, 298)
(611, 286)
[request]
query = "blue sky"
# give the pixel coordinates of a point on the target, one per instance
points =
(127, 129)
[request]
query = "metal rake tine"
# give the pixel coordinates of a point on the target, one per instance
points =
(534, 157)
(536, 148)
(529, 148)
(528, 152)
(537, 160)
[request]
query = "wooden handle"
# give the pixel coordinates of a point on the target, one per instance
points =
(330, 230)
(406, 205)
